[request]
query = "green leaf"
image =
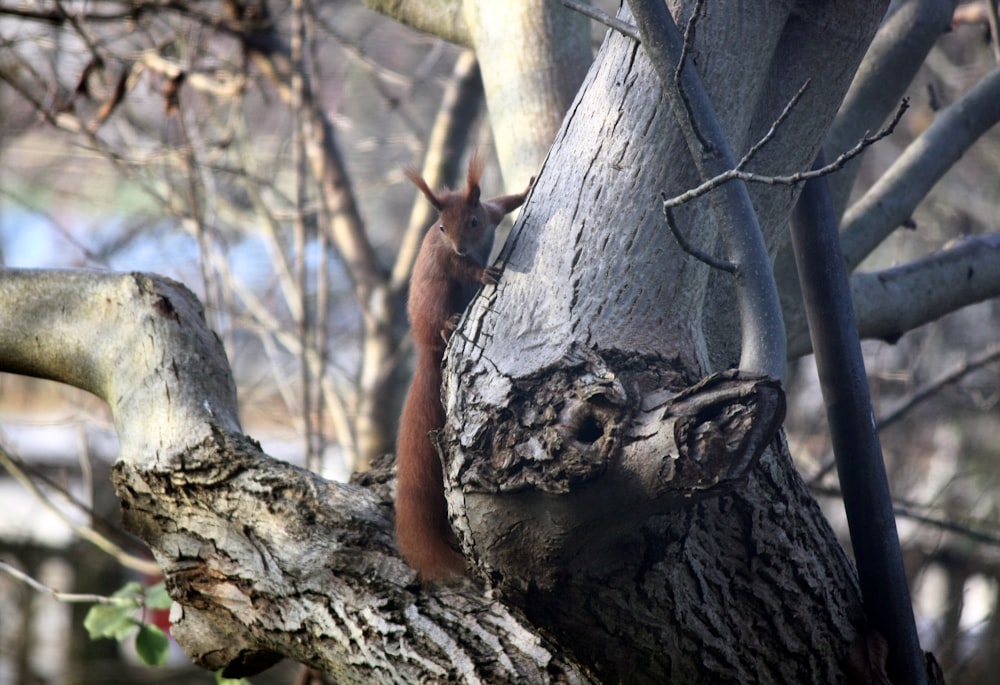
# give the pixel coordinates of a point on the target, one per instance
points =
(157, 597)
(152, 645)
(131, 590)
(116, 621)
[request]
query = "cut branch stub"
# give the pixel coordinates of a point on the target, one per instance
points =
(582, 454)
(721, 427)
(559, 430)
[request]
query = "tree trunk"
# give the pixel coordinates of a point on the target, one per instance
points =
(264, 560)
(533, 55)
(528, 89)
(635, 513)
(559, 447)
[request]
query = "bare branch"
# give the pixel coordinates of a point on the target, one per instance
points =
(935, 385)
(893, 301)
(690, 249)
(441, 18)
(979, 534)
(844, 384)
(597, 14)
(896, 53)
(798, 177)
(892, 199)
(689, 33)
(218, 83)
(299, 96)
(347, 230)
(19, 470)
(763, 332)
(756, 147)
(68, 597)
(337, 400)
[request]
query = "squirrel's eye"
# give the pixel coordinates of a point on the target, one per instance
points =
(441, 227)
(474, 222)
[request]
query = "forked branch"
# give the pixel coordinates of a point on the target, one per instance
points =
(763, 329)
(737, 173)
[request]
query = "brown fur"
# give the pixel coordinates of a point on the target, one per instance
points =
(452, 255)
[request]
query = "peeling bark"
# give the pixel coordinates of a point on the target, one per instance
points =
(263, 560)
(267, 561)
(633, 510)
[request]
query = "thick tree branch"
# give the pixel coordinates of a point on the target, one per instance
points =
(832, 326)
(895, 55)
(892, 199)
(442, 18)
(68, 322)
(266, 561)
(528, 89)
(763, 349)
(891, 302)
(263, 559)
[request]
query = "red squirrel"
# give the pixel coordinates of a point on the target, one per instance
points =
(452, 256)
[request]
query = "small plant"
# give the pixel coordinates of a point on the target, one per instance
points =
(117, 620)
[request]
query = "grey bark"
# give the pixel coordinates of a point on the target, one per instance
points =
(895, 56)
(264, 560)
(597, 323)
(589, 349)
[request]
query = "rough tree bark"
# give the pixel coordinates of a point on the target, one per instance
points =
(632, 509)
(576, 372)
(263, 559)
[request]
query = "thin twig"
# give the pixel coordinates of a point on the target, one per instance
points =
(19, 470)
(687, 46)
(68, 597)
(924, 392)
(771, 132)
(944, 524)
(622, 27)
(700, 255)
(906, 511)
(792, 179)
(953, 375)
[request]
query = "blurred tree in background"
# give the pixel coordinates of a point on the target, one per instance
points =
(253, 151)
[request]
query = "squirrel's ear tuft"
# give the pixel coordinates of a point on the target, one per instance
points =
(421, 184)
(472, 196)
(473, 178)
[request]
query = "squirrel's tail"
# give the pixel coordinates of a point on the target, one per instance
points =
(422, 530)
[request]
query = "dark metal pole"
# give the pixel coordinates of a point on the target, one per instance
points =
(833, 330)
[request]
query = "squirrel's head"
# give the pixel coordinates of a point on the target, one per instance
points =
(463, 222)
